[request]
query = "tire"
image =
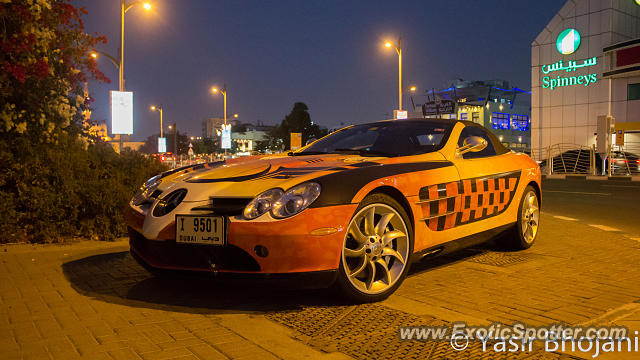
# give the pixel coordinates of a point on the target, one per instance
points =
(375, 261)
(524, 232)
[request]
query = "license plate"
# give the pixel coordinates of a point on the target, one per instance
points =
(200, 229)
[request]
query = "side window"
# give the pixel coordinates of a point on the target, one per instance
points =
(490, 150)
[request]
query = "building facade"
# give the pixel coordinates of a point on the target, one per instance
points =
(494, 104)
(211, 126)
(248, 140)
(585, 64)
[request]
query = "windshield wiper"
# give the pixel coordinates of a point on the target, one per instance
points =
(364, 152)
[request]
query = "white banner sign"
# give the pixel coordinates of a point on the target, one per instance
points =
(226, 136)
(121, 112)
(162, 145)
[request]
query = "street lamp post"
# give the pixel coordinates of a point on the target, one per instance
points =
(123, 9)
(175, 138)
(159, 108)
(119, 62)
(398, 47)
(223, 91)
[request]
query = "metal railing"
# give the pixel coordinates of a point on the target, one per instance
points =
(566, 159)
(584, 160)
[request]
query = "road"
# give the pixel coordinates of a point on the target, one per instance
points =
(91, 300)
(611, 203)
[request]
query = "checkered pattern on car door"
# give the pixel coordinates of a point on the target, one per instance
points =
(447, 205)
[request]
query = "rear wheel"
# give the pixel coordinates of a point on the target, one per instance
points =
(376, 250)
(525, 230)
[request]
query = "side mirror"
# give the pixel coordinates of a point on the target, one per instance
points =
(472, 144)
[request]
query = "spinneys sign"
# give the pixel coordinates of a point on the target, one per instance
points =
(567, 43)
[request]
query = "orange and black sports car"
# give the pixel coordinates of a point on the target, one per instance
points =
(351, 210)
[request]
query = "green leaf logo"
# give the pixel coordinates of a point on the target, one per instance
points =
(568, 41)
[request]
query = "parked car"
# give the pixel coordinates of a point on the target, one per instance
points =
(624, 163)
(351, 210)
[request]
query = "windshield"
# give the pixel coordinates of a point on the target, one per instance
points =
(388, 138)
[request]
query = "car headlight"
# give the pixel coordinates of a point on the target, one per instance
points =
(262, 203)
(295, 200)
(146, 190)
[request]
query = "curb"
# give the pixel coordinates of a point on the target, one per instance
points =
(590, 177)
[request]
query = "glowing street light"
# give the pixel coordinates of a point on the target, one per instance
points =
(235, 115)
(119, 62)
(159, 108)
(223, 91)
(412, 89)
(398, 47)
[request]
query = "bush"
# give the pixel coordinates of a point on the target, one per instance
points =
(51, 192)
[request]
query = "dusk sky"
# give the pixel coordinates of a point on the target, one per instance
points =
(327, 54)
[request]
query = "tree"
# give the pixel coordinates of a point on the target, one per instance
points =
(206, 146)
(298, 121)
(151, 143)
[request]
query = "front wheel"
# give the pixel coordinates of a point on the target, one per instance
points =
(375, 251)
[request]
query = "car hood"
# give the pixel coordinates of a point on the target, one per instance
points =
(248, 177)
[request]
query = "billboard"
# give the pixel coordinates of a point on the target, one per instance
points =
(296, 141)
(121, 112)
(162, 145)
(226, 136)
(400, 114)
(437, 108)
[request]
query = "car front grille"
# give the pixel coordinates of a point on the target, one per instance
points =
(170, 254)
(224, 206)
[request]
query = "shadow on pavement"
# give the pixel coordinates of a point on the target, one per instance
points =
(431, 262)
(118, 278)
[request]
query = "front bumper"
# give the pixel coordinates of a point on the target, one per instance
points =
(291, 246)
(306, 280)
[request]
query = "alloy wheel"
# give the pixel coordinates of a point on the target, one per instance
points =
(376, 248)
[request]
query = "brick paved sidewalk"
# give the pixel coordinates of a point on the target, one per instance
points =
(91, 300)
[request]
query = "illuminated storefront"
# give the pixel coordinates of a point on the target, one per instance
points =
(578, 74)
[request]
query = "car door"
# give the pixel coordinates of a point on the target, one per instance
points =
(488, 183)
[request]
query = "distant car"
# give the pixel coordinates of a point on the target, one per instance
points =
(624, 163)
(351, 210)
